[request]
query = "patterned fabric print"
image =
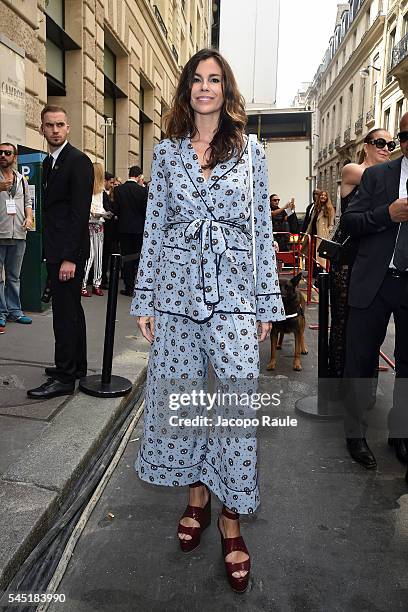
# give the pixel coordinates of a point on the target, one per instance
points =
(197, 252)
(96, 235)
(182, 350)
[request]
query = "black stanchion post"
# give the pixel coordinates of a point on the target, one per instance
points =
(320, 406)
(106, 385)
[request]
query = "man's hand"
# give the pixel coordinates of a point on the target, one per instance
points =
(146, 326)
(67, 271)
(28, 223)
(6, 185)
(399, 210)
(264, 329)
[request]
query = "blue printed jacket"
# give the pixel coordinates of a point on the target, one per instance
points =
(197, 256)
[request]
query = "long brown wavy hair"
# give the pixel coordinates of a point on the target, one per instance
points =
(327, 208)
(228, 141)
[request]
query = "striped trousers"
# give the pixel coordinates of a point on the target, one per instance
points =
(95, 255)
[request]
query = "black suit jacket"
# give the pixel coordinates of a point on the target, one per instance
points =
(367, 217)
(306, 220)
(129, 205)
(67, 202)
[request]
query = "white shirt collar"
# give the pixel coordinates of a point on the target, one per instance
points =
(57, 152)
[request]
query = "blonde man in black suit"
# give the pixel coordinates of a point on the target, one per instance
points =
(68, 183)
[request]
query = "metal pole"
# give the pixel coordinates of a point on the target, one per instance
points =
(321, 406)
(106, 385)
(110, 319)
(323, 356)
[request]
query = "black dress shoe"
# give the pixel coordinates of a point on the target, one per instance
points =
(52, 373)
(51, 388)
(400, 446)
(360, 452)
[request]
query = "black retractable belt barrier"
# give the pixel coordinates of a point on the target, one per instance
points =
(321, 405)
(106, 385)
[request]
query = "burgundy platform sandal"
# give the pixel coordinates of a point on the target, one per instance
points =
(202, 516)
(230, 545)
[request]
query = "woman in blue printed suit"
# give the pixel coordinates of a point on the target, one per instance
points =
(198, 303)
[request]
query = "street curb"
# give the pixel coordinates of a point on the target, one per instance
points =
(27, 493)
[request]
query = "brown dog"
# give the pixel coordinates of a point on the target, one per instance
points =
(294, 303)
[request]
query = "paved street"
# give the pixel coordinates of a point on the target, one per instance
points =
(328, 536)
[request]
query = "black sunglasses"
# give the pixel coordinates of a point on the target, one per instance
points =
(6, 153)
(380, 143)
(402, 136)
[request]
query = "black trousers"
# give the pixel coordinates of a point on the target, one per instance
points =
(366, 331)
(130, 244)
(68, 323)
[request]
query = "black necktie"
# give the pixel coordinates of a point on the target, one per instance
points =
(401, 247)
(48, 169)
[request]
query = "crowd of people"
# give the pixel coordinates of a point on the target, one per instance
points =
(116, 221)
(207, 287)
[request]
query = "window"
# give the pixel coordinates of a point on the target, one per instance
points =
(398, 115)
(109, 64)
(145, 121)
(56, 44)
(387, 114)
(55, 9)
(405, 25)
(340, 114)
(368, 19)
(354, 41)
(391, 45)
(109, 112)
(111, 94)
(55, 63)
(328, 128)
(350, 105)
(375, 88)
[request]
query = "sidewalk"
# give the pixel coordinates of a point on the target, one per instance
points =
(328, 536)
(309, 484)
(44, 445)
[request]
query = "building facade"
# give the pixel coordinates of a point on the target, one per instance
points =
(113, 64)
(359, 84)
(248, 36)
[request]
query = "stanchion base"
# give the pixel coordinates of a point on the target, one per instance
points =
(92, 385)
(309, 406)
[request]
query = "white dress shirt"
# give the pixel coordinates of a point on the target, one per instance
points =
(55, 154)
(402, 194)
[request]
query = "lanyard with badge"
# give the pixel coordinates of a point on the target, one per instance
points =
(10, 202)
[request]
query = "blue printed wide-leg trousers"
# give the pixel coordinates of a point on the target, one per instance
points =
(179, 362)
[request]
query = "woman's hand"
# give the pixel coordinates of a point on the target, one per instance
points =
(264, 329)
(146, 326)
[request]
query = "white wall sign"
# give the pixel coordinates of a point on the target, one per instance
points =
(12, 93)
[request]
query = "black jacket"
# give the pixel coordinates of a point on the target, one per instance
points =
(129, 205)
(307, 218)
(67, 202)
(367, 217)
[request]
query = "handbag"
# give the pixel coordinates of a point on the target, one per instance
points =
(334, 247)
(330, 249)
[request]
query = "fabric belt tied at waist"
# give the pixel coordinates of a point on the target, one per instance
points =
(212, 245)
